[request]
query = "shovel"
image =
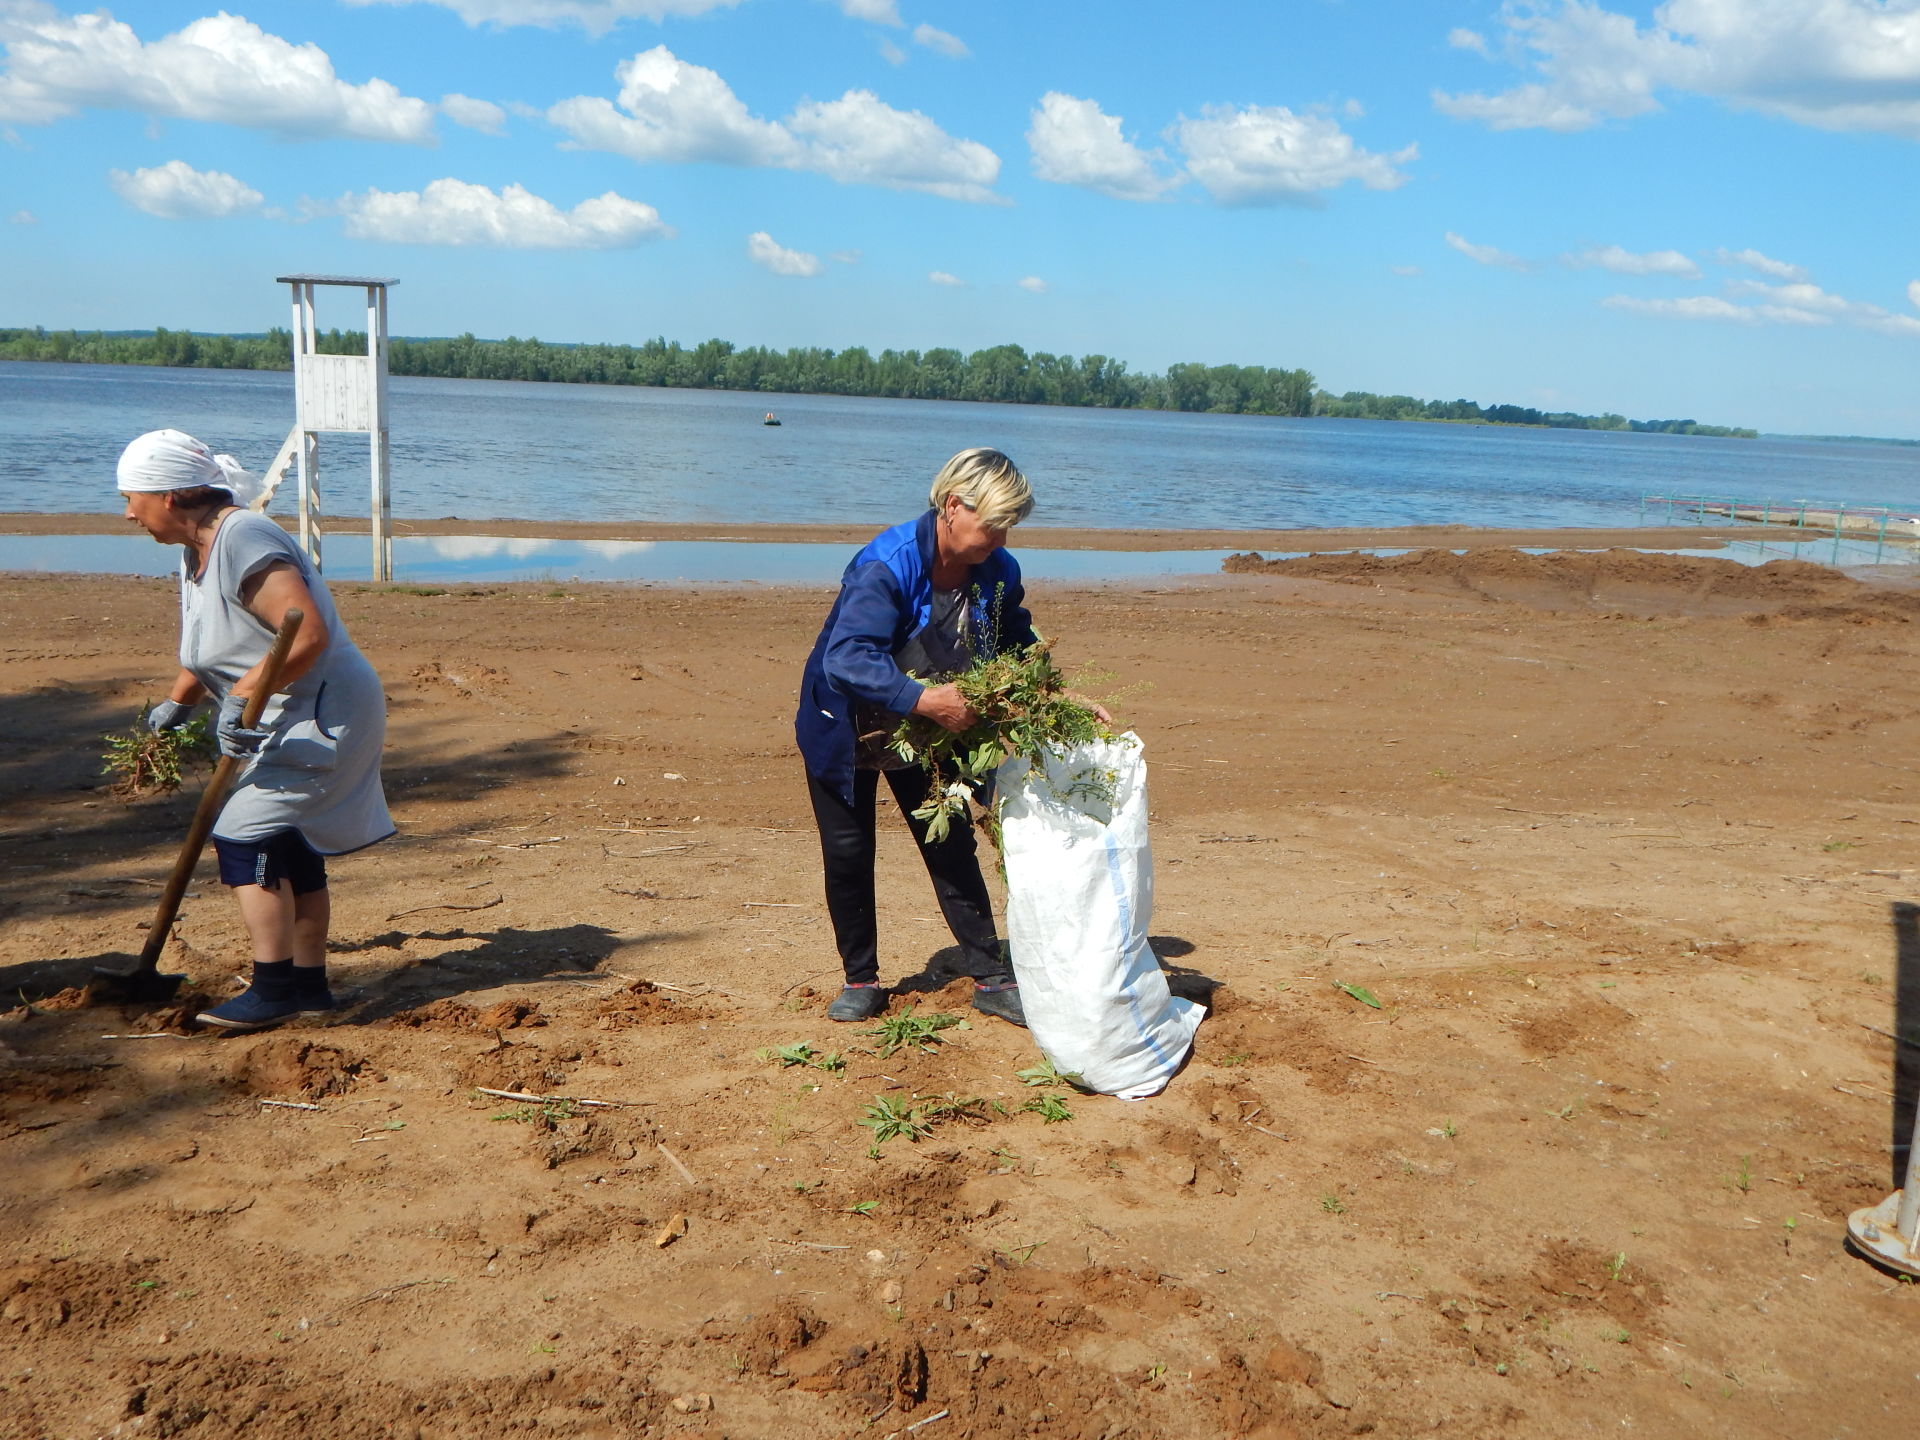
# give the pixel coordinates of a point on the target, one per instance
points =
(144, 982)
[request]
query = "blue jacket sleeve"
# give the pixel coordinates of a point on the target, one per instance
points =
(859, 651)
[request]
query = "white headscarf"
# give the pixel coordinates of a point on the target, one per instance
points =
(174, 460)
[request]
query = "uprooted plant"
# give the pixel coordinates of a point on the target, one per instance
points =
(912, 1030)
(913, 1120)
(153, 762)
(801, 1054)
(1020, 699)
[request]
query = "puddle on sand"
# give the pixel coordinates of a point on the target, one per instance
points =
(455, 558)
(451, 559)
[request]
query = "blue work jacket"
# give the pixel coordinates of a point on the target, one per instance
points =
(886, 598)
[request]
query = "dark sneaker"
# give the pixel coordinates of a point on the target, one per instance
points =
(312, 993)
(999, 995)
(320, 1002)
(857, 1002)
(250, 1010)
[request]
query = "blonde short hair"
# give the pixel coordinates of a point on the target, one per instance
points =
(987, 483)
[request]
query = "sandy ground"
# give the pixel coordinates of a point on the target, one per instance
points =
(1032, 536)
(1619, 844)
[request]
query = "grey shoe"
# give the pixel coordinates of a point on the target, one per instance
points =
(857, 1002)
(999, 995)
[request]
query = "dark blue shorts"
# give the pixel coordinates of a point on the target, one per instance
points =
(265, 863)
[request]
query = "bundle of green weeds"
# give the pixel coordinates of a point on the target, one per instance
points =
(149, 762)
(1020, 699)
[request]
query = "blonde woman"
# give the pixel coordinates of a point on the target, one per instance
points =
(311, 786)
(928, 597)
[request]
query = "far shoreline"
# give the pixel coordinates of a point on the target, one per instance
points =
(1035, 537)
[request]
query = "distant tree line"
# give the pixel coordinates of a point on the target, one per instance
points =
(1359, 405)
(1004, 373)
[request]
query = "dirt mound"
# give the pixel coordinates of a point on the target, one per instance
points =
(1629, 581)
(641, 1003)
(282, 1065)
(1576, 1027)
(47, 1295)
(453, 1015)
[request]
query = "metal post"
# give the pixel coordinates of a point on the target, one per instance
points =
(306, 453)
(310, 496)
(1867, 1228)
(381, 506)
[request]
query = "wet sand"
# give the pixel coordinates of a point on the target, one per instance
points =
(1624, 846)
(1039, 537)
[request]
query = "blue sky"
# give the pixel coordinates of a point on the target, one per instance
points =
(1701, 208)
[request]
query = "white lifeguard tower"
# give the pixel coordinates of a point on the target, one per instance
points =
(337, 394)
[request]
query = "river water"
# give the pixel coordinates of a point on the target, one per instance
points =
(479, 449)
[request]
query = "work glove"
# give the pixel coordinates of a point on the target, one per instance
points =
(236, 740)
(168, 715)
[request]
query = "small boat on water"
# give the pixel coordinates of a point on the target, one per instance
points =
(771, 419)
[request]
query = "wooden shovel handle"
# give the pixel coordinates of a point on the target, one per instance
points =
(215, 795)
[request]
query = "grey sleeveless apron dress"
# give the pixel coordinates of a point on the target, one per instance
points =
(319, 771)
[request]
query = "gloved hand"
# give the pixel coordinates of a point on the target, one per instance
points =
(168, 715)
(236, 740)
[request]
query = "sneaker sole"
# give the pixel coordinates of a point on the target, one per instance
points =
(242, 1027)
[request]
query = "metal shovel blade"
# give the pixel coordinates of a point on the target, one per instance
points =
(141, 984)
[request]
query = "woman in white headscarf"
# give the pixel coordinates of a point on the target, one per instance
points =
(311, 785)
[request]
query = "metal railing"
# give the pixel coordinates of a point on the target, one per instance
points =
(1875, 524)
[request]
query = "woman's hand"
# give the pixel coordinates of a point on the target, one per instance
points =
(168, 715)
(943, 705)
(1099, 710)
(235, 739)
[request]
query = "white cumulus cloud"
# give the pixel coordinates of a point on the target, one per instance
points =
(1834, 64)
(1261, 154)
(860, 140)
(769, 254)
(1690, 307)
(951, 46)
(879, 12)
(453, 212)
(482, 115)
(1809, 299)
(1797, 302)
(941, 277)
(222, 68)
(1625, 262)
(1034, 285)
(23, 217)
(596, 17)
(1763, 264)
(1074, 142)
(672, 111)
(177, 191)
(1913, 290)
(1461, 39)
(1486, 254)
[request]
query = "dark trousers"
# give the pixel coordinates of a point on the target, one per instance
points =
(846, 851)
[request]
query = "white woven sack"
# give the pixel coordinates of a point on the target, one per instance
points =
(1079, 900)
